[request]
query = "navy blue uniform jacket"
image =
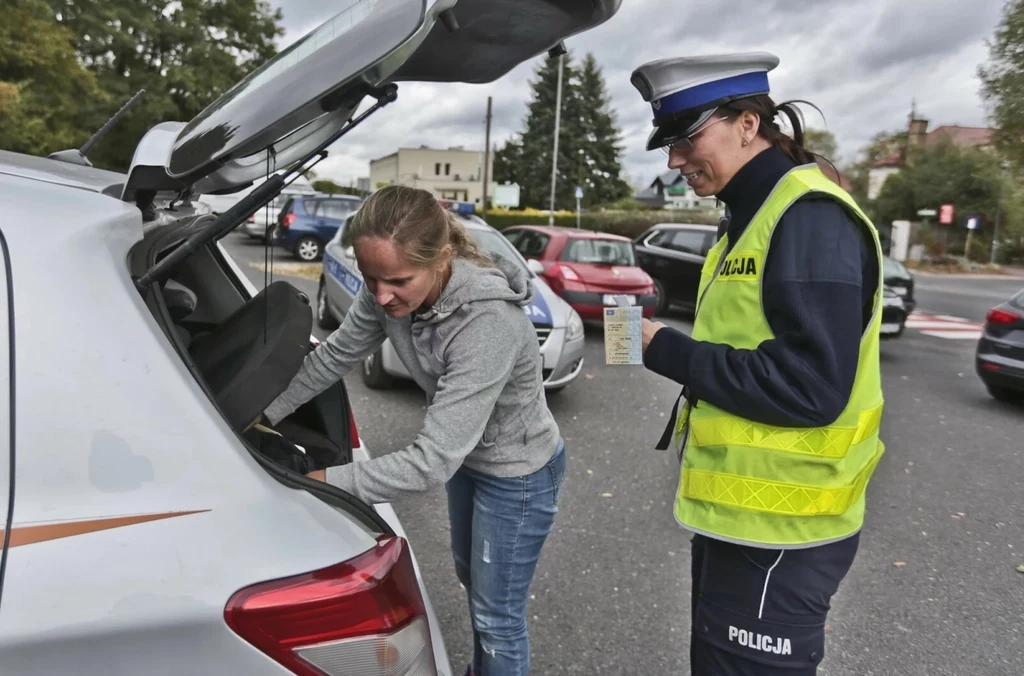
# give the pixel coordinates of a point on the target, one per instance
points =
(818, 285)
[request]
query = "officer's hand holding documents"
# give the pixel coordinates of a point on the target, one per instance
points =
(648, 330)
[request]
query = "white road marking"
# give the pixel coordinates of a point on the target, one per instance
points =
(954, 335)
(944, 326)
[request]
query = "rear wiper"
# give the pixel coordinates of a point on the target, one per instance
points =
(255, 200)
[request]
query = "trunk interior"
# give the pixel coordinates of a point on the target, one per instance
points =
(244, 352)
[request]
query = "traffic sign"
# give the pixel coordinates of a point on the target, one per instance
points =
(926, 213)
(946, 214)
(579, 193)
(973, 223)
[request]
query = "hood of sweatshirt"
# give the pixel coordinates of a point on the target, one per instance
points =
(472, 283)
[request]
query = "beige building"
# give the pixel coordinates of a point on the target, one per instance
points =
(455, 173)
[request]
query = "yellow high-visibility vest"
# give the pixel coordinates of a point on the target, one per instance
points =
(758, 484)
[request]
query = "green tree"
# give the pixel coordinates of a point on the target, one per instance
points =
(326, 185)
(184, 53)
(589, 144)
(599, 165)
(42, 82)
(1003, 81)
(883, 144)
(967, 178)
(532, 168)
(821, 142)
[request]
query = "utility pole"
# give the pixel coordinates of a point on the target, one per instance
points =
(554, 155)
(1004, 165)
(487, 158)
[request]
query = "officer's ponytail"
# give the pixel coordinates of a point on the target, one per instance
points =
(769, 129)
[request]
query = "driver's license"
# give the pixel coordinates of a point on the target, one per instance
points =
(623, 333)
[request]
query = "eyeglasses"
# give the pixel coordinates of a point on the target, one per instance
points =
(686, 143)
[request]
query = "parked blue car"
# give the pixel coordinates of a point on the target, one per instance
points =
(306, 223)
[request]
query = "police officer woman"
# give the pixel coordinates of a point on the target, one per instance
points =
(778, 421)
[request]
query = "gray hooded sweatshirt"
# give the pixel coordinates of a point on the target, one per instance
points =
(475, 353)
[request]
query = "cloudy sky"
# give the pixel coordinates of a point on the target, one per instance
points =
(861, 61)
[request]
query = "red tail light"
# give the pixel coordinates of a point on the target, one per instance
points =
(997, 316)
(352, 431)
(287, 220)
(362, 616)
(567, 273)
(252, 218)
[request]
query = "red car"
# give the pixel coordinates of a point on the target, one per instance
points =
(585, 268)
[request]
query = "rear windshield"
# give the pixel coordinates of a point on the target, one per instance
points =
(492, 242)
(599, 251)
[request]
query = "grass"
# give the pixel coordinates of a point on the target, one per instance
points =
(309, 271)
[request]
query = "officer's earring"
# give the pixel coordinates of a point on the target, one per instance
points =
(744, 142)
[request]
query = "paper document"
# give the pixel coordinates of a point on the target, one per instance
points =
(623, 336)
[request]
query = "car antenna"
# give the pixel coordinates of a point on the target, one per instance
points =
(80, 155)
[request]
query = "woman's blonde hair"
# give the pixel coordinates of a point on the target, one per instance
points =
(418, 225)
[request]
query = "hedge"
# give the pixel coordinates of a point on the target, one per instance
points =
(630, 224)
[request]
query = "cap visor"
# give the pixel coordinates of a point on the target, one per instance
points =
(681, 126)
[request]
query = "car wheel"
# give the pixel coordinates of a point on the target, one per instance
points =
(1005, 395)
(308, 249)
(661, 302)
(374, 375)
(324, 319)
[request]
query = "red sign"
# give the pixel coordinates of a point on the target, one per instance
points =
(946, 214)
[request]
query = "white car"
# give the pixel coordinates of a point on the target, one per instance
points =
(152, 524)
(559, 327)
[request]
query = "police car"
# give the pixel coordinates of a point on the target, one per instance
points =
(559, 327)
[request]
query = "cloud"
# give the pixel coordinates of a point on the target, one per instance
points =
(861, 61)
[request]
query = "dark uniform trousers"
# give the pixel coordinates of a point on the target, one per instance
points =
(761, 612)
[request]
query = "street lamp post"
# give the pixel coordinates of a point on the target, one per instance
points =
(554, 155)
(1004, 165)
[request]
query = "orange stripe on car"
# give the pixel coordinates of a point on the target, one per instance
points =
(28, 535)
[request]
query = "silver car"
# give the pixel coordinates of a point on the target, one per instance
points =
(559, 327)
(153, 523)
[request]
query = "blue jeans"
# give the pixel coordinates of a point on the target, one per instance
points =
(499, 526)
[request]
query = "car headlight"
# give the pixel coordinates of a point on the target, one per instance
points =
(574, 328)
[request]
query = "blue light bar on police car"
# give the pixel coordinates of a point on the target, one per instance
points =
(458, 207)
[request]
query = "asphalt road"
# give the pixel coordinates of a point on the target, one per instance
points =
(963, 296)
(933, 591)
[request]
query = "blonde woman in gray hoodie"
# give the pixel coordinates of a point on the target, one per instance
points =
(456, 320)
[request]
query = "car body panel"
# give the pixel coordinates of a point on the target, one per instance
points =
(898, 278)
(894, 314)
(674, 254)
(557, 249)
(999, 355)
(562, 359)
(317, 216)
(131, 529)
(5, 396)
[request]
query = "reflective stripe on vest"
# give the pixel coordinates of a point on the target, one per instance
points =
(775, 497)
(827, 442)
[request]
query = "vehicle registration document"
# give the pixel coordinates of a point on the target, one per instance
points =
(623, 336)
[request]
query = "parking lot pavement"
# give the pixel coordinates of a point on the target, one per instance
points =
(934, 590)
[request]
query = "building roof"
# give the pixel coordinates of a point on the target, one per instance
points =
(965, 137)
(961, 136)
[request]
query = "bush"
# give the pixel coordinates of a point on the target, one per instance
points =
(630, 224)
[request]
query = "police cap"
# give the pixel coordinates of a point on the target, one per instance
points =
(684, 92)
